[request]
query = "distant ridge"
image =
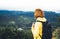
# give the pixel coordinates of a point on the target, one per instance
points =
(21, 17)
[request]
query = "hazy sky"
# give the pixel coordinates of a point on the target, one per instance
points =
(30, 5)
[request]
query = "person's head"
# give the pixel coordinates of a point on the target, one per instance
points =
(38, 13)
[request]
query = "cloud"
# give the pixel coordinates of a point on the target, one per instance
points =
(30, 5)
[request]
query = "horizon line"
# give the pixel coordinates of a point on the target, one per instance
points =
(27, 10)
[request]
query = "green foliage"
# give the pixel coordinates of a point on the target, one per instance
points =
(56, 33)
(12, 33)
(58, 19)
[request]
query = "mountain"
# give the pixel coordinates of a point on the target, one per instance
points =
(23, 19)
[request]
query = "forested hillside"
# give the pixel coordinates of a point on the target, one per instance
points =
(25, 18)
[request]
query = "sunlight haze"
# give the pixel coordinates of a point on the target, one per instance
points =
(30, 5)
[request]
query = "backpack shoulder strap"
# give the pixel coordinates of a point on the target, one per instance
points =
(41, 21)
(38, 21)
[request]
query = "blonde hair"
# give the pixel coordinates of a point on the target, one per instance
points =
(38, 13)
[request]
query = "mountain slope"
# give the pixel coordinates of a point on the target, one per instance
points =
(23, 19)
